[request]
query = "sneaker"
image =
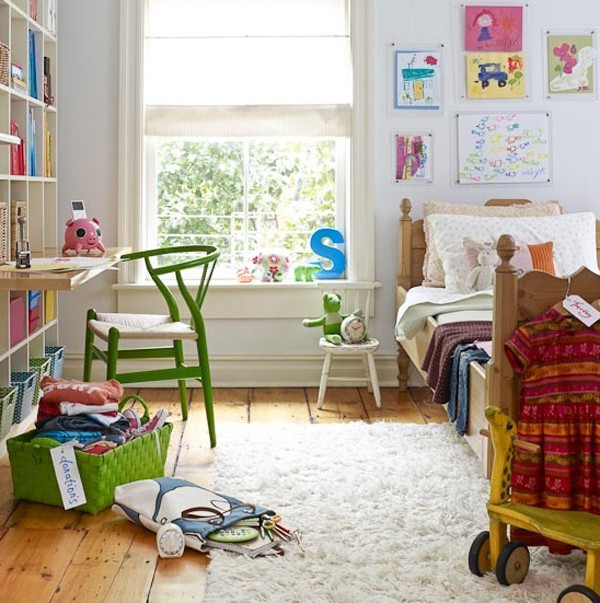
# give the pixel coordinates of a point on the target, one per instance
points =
(157, 422)
(134, 421)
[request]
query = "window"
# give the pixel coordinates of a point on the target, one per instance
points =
(246, 124)
(333, 119)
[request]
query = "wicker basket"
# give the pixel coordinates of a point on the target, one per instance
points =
(56, 353)
(4, 63)
(41, 366)
(25, 382)
(34, 479)
(8, 399)
(17, 208)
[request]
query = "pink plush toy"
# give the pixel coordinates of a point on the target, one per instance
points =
(83, 235)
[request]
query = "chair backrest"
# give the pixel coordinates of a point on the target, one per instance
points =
(169, 261)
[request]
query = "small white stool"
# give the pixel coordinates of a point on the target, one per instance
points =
(366, 350)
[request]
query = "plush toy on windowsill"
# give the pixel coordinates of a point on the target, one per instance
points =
(332, 322)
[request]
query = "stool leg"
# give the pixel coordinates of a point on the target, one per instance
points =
(367, 373)
(374, 380)
(323, 384)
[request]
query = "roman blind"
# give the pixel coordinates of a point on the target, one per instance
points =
(247, 68)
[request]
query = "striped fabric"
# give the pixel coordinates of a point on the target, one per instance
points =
(558, 359)
(541, 256)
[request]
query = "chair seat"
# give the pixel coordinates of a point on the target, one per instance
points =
(141, 326)
(370, 345)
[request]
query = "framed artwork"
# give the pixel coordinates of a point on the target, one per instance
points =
(571, 65)
(493, 28)
(495, 148)
(413, 159)
(417, 79)
(495, 75)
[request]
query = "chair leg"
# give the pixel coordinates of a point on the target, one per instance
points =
(374, 380)
(88, 353)
(367, 373)
(207, 390)
(112, 353)
(183, 395)
(323, 383)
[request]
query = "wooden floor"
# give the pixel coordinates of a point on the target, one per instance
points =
(48, 554)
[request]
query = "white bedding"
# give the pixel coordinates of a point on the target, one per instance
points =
(422, 302)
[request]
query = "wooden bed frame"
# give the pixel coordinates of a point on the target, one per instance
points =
(516, 300)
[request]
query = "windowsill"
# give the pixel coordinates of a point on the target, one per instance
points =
(229, 300)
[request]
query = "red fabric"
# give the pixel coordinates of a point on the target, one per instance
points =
(62, 390)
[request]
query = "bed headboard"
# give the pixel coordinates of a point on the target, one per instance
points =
(411, 243)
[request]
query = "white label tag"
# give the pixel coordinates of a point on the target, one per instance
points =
(579, 308)
(67, 476)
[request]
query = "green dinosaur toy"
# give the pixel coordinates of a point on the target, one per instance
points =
(331, 320)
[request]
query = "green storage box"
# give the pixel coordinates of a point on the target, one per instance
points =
(34, 479)
(8, 400)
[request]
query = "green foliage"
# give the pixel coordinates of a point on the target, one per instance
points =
(203, 195)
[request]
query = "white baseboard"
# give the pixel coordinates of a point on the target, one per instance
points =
(256, 371)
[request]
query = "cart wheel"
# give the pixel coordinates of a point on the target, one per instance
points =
(578, 593)
(479, 554)
(513, 563)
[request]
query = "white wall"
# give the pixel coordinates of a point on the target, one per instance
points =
(88, 80)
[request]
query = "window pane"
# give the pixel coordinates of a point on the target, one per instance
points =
(245, 196)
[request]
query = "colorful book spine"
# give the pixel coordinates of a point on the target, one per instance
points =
(32, 66)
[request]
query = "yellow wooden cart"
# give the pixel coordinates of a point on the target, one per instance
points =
(492, 550)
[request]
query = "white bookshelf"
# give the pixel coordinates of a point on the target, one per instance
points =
(36, 189)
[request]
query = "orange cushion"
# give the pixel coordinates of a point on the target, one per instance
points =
(541, 256)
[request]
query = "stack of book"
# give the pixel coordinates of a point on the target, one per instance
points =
(17, 80)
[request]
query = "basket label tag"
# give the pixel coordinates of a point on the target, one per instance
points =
(67, 476)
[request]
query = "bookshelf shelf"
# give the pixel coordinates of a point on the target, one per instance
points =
(8, 139)
(28, 183)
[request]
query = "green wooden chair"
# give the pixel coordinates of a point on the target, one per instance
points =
(198, 263)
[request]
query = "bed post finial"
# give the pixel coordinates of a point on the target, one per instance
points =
(506, 248)
(405, 207)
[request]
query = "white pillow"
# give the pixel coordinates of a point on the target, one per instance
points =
(574, 237)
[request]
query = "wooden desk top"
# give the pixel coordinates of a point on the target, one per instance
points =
(24, 280)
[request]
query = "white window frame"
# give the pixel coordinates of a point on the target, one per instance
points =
(231, 300)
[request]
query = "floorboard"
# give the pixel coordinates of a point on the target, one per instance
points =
(51, 555)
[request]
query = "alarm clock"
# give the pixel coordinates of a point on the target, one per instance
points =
(170, 540)
(353, 329)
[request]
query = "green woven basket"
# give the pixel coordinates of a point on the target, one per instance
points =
(34, 479)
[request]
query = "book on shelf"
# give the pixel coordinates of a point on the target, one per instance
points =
(31, 144)
(16, 78)
(48, 98)
(17, 152)
(33, 91)
(33, 9)
(51, 16)
(47, 151)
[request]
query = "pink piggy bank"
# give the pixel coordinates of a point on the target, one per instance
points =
(83, 234)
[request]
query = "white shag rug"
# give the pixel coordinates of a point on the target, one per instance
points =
(387, 511)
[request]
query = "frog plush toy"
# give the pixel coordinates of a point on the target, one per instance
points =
(331, 321)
